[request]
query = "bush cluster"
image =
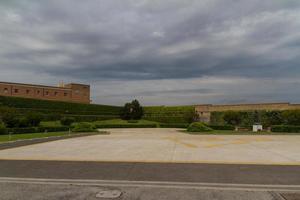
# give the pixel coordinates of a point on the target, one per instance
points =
(2, 128)
(198, 127)
(12, 118)
(248, 118)
(285, 128)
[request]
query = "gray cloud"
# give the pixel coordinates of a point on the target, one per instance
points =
(133, 40)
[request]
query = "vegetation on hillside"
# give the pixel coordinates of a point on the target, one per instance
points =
(170, 114)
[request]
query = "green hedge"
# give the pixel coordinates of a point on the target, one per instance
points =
(170, 114)
(222, 127)
(266, 118)
(285, 128)
(130, 125)
(174, 125)
(46, 106)
(198, 127)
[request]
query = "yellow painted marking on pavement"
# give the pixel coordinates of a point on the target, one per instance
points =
(176, 140)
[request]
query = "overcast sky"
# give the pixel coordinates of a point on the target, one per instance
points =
(162, 52)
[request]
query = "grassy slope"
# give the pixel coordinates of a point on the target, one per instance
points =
(47, 106)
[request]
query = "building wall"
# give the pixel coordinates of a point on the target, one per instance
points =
(71, 92)
(204, 111)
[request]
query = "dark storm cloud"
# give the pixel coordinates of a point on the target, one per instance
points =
(144, 40)
(154, 39)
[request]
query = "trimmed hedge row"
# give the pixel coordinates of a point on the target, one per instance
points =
(133, 125)
(46, 106)
(174, 125)
(287, 129)
(222, 127)
(170, 114)
(34, 130)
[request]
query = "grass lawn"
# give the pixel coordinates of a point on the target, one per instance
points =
(226, 132)
(14, 137)
(50, 124)
(5, 138)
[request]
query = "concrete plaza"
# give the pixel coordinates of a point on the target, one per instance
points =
(167, 146)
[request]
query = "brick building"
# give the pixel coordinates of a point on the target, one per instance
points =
(72, 92)
(204, 111)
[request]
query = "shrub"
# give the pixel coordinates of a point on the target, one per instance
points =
(67, 121)
(22, 130)
(34, 119)
(198, 127)
(222, 127)
(23, 122)
(286, 128)
(84, 127)
(2, 128)
(53, 129)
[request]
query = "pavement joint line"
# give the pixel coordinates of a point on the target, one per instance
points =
(153, 184)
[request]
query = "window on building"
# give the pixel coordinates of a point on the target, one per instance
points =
(5, 90)
(27, 91)
(55, 93)
(38, 92)
(16, 90)
(65, 94)
(47, 93)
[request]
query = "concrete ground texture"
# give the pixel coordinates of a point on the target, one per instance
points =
(166, 146)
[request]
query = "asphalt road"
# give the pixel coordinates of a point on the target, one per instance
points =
(206, 173)
(85, 180)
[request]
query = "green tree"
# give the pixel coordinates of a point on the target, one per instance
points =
(33, 118)
(232, 118)
(9, 116)
(132, 110)
(2, 128)
(291, 117)
(270, 118)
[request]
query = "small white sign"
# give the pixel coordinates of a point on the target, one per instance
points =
(257, 127)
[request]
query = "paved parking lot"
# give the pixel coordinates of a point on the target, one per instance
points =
(165, 145)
